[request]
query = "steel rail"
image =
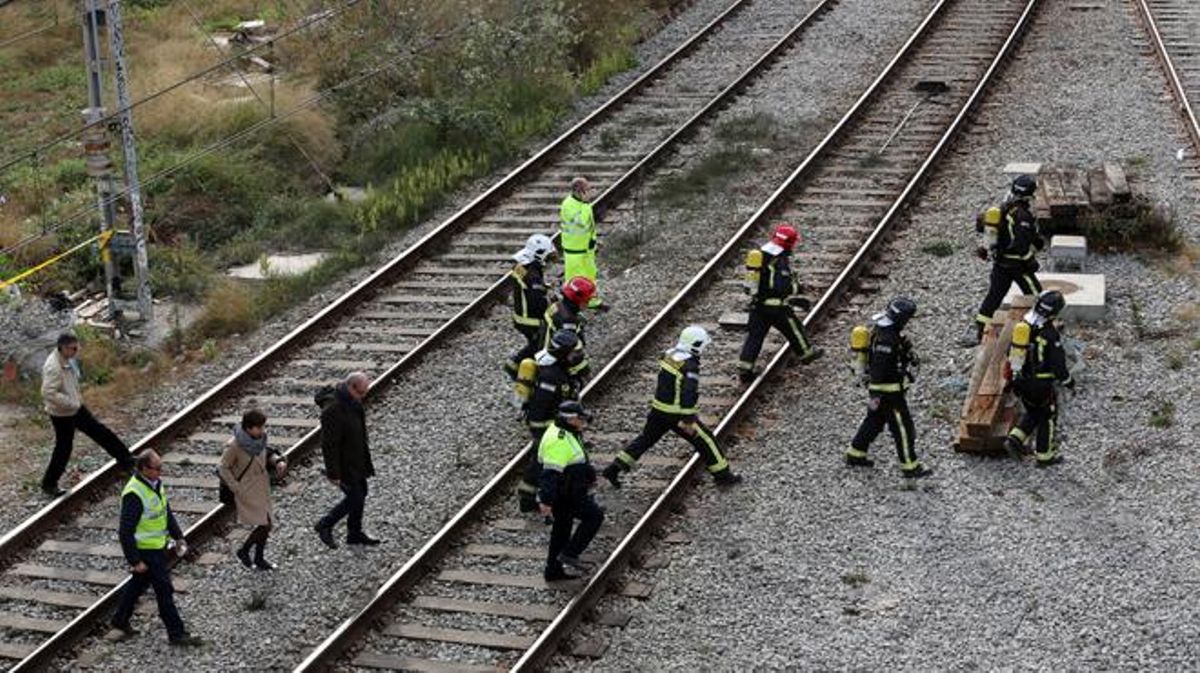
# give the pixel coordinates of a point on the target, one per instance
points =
(15, 539)
(18, 539)
(86, 620)
(1168, 64)
(415, 568)
(544, 647)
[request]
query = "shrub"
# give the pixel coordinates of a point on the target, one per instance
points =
(228, 309)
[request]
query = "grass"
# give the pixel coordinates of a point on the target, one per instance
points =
(707, 176)
(1139, 226)
(855, 579)
(938, 248)
(1163, 414)
(1176, 360)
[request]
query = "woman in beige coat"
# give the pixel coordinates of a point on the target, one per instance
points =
(246, 468)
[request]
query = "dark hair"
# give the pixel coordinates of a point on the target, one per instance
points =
(66, 339)
(253, 419)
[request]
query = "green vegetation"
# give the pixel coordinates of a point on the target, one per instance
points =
(1138, 226)
(938, 248)
(1163, 414)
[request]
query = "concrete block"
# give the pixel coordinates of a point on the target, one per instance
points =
(1022, 167)
(1068, 253)
(1084, 292)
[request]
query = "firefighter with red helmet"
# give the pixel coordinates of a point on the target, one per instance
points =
(774, 292)
(567, 313)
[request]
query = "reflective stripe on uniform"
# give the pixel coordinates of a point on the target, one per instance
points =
(855, 453)
(774, 301)
(627, 459)
(721, 465)
(910, 457)
(674, 407)
(886, 387)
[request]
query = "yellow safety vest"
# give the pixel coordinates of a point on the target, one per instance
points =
(578, 226)
(151, 531)
(559, 449)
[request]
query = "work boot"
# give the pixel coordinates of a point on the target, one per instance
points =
(859, 461)
(726, 477)
(326, 535)
(187, 640)
(613, 474)
(917, 472)
(746, 376)
(1013, 446)
(53, 491)
(362, 539)
(575, 563)
(527, 502)
(558, 575)
(1054, 460)
(260, 560)
(973, 337)
(811, 355)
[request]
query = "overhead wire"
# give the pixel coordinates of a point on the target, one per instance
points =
(253, 128)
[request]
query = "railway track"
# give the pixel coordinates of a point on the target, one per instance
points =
(63, 572)
(1174, 31)
(472, 598)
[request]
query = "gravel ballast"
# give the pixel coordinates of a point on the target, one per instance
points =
(446, 426)
(989, 564)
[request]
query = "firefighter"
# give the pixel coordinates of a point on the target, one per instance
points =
(567, 313)
(578, 229)
(675, 408)
(566, 478)
(1012, 234)
(1035, 361)
(550, 386)
(774, 291)
(530, 297)
(884, 359)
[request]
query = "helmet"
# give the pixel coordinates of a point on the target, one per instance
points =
(540, 246)
(900, 309)
(1049, 303)
(571, 410)
(785, 236)
(693, 338)
(579, 290)
(1023, 186)
(564, 341)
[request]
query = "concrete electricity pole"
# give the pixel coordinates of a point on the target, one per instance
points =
(141, 264)
(96, 143)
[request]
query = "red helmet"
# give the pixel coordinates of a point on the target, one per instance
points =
(578, 290)
(785, 236)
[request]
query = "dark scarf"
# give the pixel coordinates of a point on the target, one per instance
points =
(249, 444)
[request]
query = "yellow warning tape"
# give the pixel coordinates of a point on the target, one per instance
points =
(102, 238)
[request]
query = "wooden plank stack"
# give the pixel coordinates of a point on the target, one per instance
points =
(1065, 193)
(989, 412)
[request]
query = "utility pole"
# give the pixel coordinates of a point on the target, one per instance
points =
(141, 264)
(96, 143)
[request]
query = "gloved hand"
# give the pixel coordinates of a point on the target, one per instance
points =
(1039, 242)
(1008, 371)
(1070, 384)
(982, 253)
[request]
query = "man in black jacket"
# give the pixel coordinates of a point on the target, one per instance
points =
(347, 457)
(147, 523)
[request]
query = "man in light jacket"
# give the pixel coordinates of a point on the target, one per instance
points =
(60, 395)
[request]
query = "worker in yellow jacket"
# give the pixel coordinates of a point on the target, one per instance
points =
(578, 229)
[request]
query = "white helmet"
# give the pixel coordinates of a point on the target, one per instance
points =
(540, 246)
(693, 339)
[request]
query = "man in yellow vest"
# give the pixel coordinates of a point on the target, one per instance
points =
(146, 525)
(578, 229)
(567, 476)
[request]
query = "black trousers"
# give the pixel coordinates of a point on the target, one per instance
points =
(157, 575)
(1001, 279)
(533, 468)
(1040, 419)
(762, 319)
(659, 423)
(531, 347)
(565, 537)
(64, 443)
(888, 410)
(351, 508)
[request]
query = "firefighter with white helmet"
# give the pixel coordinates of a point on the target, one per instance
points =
(675, 408)
(530, 296)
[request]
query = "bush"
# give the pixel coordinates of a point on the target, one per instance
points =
(1137, 226)
(229, 309)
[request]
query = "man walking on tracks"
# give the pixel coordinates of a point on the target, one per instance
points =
(567, 314)
(774, 291)
(1012, 234)
(567, 476)
(1036, 361)
(347, 457)
(551, 385)
(675, 408)
(578, 222)
(530, 297)
(146, 523)
(883, 359)
(64, 404)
